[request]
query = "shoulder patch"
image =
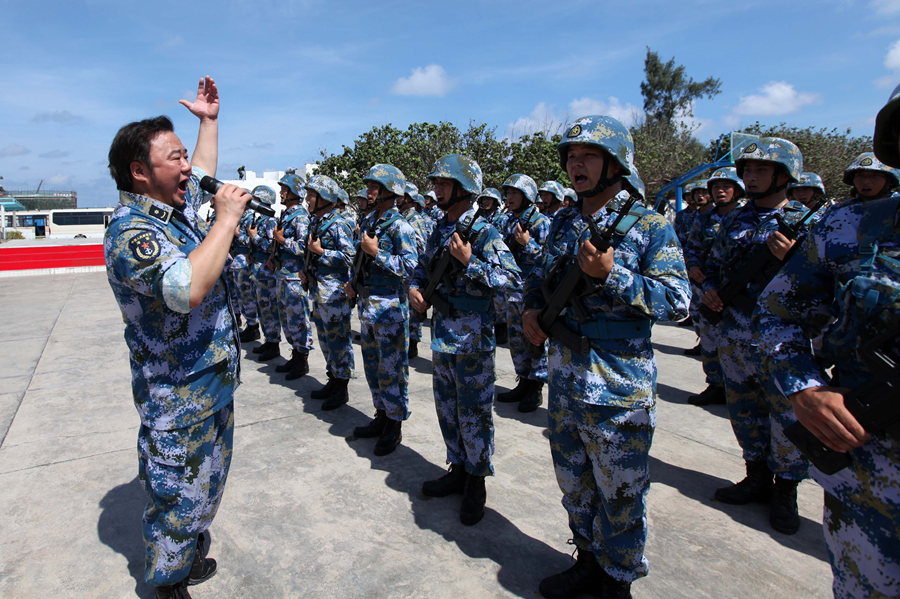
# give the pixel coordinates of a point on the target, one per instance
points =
(160, 213)
(144, 246)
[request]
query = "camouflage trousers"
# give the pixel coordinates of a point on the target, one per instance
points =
(246, 289)
(234, 291)
(293, 313)
(183, 472)
(498, 301)
(601, 455)
(464, 398)
(386, 362)
(758, 417)
(333, 329)
(709, 352)
(694, 308)
(526, 366)
(415, 327)
(267, 302)
(862, 521)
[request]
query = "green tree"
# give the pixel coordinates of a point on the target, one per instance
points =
(663, 151)
(669, 92)
(537, 156)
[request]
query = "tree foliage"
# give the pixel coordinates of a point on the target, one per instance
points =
(663, 151)
(668, 91)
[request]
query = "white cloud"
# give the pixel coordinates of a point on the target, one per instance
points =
(428, 81)
(54, 154)
(545, 118)
(14, 150)
(887, 82)
(777, 98)
(885, 7)
(59, 117)
(628, 113)
(542, 118)
(173, 41)
(892, 59)
(59, 180)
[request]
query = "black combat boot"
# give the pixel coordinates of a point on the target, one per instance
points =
(712, 395)
(452, 482)
(534, 397)
(686, 322)
(694, 351)
(585, 577)
(300, 367)
(272, 351)
(413, 350)
(471, 511)
(260, 348)
(515, 394)
(614, 588)
(390, 438)
(374, 428)
(287, 366)
(202, 568)
(783, 514)
(338, 397)
(756, 487)
(251, 333)
(324, 392)
(238, 321)
(176, 591)
(501, 332)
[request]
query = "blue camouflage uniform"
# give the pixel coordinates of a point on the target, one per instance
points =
(331, 306)
(758, 417)
(384, 312)
(602, 407)
(234, 294)
(264, 279)
(241, 251)
(185, 369)
(498, 219)
(293, 302)
(422, 227)
(843, 278)
(462, 343)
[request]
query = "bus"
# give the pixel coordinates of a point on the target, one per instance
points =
(78, 223)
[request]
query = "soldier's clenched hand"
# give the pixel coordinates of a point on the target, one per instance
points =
(315, 246)
(418, 301)
(369, 245)
(279, 235)
(531, 328)
(594, 263)
(822, 411)
(459, 250)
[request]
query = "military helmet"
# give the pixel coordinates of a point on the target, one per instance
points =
(361, 194)
(728, 173)
(264, 194)
(868, 162)
(431, 195)
(342, 196)
(325, 186)
(411, 190)
(885, 138)
(523, 183)
(770, 149)
(808, 180)
(419, 199)
(493, 193)
(570, 193)
(635, 185)
(604, 132)
(688, 188)
(554, 188)
(295, 183)
(460, 168)
(699, 185)
(389, 176)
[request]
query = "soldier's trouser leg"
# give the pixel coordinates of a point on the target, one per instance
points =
(526, 366)
(415, 328)
(333, 328)
(247, 290)
(183, 472)
(499, 303)
(862, 521)
(694, 308)
(267, 303)
(759, 431)
(293, 313)
(601, 455)
(386, 362)
(234, 292)
(464, 398)
(709, 351)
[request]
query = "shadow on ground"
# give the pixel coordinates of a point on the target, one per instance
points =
(679, 396)
(119, 528)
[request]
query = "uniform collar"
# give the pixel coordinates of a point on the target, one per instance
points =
(152, 208)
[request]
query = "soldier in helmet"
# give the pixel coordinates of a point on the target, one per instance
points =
(462, 340)
(293, 302)
(525, 232)
(602, 406)
(432, 208)
(726, 190)
(241, 266)
(766, 166)
(808, 190)
(332, 249)
(383, 305)
(490, 202)
(846, 268)
(408, 208)
(870, 179)
(262, 236)
(571, 198)
(550, 197)
(684, 219)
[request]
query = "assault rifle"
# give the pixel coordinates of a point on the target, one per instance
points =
(310, 258)
(361, 262)
(875, 404)
(442, 266)
(566, 293)
(514, 246)
(275, 253)
(747, 265)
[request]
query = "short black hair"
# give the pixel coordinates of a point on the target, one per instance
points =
(132, 144)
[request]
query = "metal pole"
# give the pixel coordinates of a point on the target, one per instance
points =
(678, 204)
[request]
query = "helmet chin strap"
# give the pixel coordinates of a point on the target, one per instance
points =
(774, 188)
(454, 198)
(603, 184)
(371, 204)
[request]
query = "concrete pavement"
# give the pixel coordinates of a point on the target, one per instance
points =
(309, 511)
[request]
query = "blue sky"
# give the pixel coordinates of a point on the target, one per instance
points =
(297, 77)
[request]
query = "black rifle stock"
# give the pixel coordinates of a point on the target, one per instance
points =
(361, 261)
(310, 258)
(747, 265)
(875, 404)
(566, 292)
(443, 264)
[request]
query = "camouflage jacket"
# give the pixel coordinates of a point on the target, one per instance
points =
(684, 221)
(265, 237)
(389, 271)
(491, 268)
(419, 224)
(146, 248)
(699, 240)
(295, 222)
(538, 227)
(647, 283)
(844, 278)
(332, 268)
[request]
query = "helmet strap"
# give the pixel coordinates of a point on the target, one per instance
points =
(603, 183)
(774, 188)
(454, 198)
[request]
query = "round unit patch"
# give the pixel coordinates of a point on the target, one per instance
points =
(574, 131)
(750, 149)
(866, 162)
(144, 246)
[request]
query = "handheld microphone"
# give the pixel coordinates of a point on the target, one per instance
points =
(211, 185)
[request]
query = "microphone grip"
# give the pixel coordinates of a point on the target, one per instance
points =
(211, 185)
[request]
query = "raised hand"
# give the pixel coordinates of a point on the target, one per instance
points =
(206, 106)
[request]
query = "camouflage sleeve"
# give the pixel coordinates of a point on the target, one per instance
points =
(196, 196)
(793, 309)
(532, 295)
(345, 249)
(693, 245)
(402, 263)
(538, 235)
(716, 259)
(494, 265)
(420, 274)
(243, 237)
(661, 289)
(147, 262)
(296, 243)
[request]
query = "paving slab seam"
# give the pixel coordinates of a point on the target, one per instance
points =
(80, 436)
(78, 459)
(44, 347)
